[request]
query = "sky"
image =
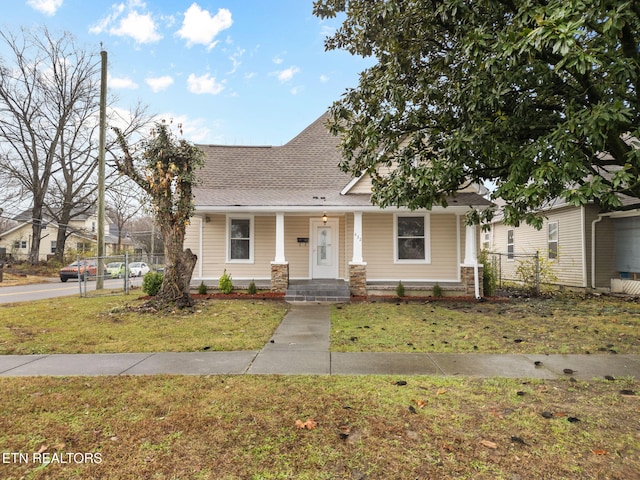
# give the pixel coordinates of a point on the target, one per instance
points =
(233, 72)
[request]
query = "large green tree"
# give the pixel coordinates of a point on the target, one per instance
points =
(164, 167)
(538, 97)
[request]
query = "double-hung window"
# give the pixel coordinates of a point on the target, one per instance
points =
(510, 245)
(240, 239)
(412, 239)
(553, 240)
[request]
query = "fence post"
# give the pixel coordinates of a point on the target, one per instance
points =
(126, 273)
(537, 273)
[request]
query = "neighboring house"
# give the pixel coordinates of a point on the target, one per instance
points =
(280, 214)
(16, 242)
(585, 246)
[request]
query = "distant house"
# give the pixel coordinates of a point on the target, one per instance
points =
(288, 213)
(82, 237)
(586, 246)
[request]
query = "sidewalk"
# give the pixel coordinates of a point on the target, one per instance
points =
(300, 346)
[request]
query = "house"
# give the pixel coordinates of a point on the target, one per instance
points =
(16, 242)
(585, 246)
(285, 214)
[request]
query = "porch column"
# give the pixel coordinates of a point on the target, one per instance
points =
(279, 266)
(470, 249)
(357, 265)
(470, 271)
(279, 238)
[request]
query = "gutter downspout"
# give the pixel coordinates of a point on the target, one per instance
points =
(593, 247)
(476, 279)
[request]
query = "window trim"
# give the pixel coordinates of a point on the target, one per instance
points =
(556, 241)
(249, 260)
(511, 255)
(427, 239)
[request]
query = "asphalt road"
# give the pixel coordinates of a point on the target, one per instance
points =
(55, 288)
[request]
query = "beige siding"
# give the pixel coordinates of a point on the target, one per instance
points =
(569, 267)
(378, 250)
(297, 254)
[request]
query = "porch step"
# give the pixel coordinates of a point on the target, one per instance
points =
(331, 291)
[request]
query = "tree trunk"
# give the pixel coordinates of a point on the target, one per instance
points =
(36, 232)
(179, 265)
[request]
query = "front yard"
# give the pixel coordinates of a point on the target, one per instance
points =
(320, 427)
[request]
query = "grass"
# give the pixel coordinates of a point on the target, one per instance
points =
(106, 325)
(366, 427)
(560, 325)
(243, 427)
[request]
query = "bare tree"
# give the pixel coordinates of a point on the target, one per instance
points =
(73, 188)
(124, 201)
(46, 87)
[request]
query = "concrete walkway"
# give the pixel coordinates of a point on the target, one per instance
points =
(300, 345)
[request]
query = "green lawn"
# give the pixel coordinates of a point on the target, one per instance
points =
(106, 325)
(560, 325)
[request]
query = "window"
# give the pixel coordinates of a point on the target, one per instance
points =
(553, 240)
(240, 234)
(412, 239)
(486, 240)
(510, 244)
(20, 244)
(53, 247)
(83, 247)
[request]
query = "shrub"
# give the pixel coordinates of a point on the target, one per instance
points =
(151, 283)
(400, 289)
(252, 290)
(533, 272)
(437, 290)
(489, 273)
(202, 289)
(225, 284)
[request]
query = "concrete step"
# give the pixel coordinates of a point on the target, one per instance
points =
(331, 291)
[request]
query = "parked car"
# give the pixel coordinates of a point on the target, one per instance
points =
(138, 269)
(115, 269)
(86, 268)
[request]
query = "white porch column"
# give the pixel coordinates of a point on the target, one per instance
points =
(357, 239)
(279, 238)
(470, 248)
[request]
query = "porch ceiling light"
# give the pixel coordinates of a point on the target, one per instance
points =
(324, 218)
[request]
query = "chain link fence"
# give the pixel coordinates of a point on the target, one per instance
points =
(520, 268)
(113, 274)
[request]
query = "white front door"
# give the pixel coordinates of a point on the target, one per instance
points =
(324, 249)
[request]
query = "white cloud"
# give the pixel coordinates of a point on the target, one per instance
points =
(200, 27)
(204, 84)
(158, 84)
(102, 25)
(235, 59)
(286, 74)
(278, 60)
(122, 83)
(324, 78)
(140, 27)
(48, 7)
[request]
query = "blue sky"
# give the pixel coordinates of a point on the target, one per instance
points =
(241, 72)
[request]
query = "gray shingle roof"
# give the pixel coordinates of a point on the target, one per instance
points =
(298, 173)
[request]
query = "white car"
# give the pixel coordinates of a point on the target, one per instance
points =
(138, 269)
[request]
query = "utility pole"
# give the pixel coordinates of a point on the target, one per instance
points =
(101, 189)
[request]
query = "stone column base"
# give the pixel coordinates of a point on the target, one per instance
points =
(279, 277)
(467, 279)
(358, 279)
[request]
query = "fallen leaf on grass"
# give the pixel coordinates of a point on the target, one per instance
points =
(441, 391)
(420, 403)
(43, 449)
(599, 452)
(489, 444)
(310, 424)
